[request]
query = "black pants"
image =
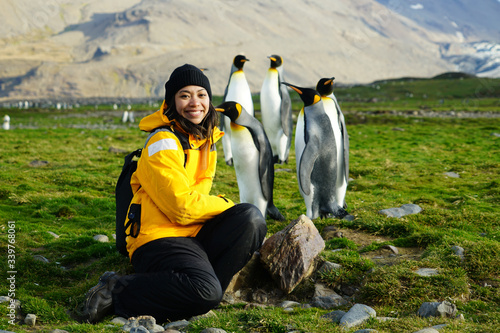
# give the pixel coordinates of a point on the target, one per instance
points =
(179, 277)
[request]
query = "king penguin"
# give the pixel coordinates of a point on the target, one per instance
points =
(316, 157)
(276, 109)
(332, 109)
(253, 159)
(237, 90)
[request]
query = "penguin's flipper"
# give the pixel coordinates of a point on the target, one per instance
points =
(266, 165)
(273, 212)
(286, 111)
(307, 160)
(345, 137)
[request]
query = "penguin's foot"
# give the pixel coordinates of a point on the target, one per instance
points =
(229, 162)
(340, 213)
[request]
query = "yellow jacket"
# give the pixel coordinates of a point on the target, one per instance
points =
(174, 197)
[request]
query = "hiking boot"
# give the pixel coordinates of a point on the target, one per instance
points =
(99, 300)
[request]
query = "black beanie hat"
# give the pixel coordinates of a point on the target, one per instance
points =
(186, 75)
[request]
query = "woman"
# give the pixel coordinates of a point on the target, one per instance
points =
(190, 243)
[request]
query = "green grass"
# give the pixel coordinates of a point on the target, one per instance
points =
(73, 197)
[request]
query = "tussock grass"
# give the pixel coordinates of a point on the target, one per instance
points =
(73, 196)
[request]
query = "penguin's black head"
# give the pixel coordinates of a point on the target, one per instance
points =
(325, 86)
(230, 109)
(276, 61)
(239, 61)
(307, 95)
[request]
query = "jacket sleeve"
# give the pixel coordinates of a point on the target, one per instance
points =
(165, 180)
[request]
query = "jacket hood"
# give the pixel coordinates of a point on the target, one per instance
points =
(155, 120)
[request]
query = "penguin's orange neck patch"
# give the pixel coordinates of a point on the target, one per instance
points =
(236, 127)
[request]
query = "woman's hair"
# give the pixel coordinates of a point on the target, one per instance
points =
(203, 130)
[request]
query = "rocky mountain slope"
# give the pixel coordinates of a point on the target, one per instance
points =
(127, 48)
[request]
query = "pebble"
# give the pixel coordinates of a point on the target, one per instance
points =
(427, 272)
(328, 302)
(357, 315)
(452, 174)
(176, 325)
(334, 316)
(404, 210)
(53, 234)
(4, 299)
(41, 258)
(101, 238)
(30, 319)
(459, 251)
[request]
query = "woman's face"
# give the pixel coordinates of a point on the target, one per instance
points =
(192, 103)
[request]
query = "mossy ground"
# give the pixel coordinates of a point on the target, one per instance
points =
(393, 161)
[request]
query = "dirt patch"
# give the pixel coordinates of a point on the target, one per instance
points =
(382, 256)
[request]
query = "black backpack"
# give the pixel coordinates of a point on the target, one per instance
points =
(124, 195)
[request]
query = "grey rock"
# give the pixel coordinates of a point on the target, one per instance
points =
(328, 267)
(366, 330)
(428, 330)
(392, 248)
(437, 309)
(53, 234)
(101, 238)
(328, 302)
(119, 321)
(176, 325)
(349, 218)
(156, 329)
(30, 319)
(406, 209)
(427, 272)
(139, 329)
(38, 257)
(2, 331)
(496, 134)
(289, 304)
(438, 327)
(452, 174)
(322, 290)
(58, 331)
(4, 299)
(357, 315)
(38, 163)
(334, 316)
(458, 250)
(289, 255)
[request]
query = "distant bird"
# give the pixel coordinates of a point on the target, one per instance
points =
(131, 117)
(332, 109)
(6, 122)
(125, 117)
(253, 159)
(316, 156)
(237, 90)
(276, 109)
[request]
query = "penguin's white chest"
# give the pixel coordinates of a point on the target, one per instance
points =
(270, 101)
(238, 90)
(246, 159)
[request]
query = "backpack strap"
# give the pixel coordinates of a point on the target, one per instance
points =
(183, 139)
